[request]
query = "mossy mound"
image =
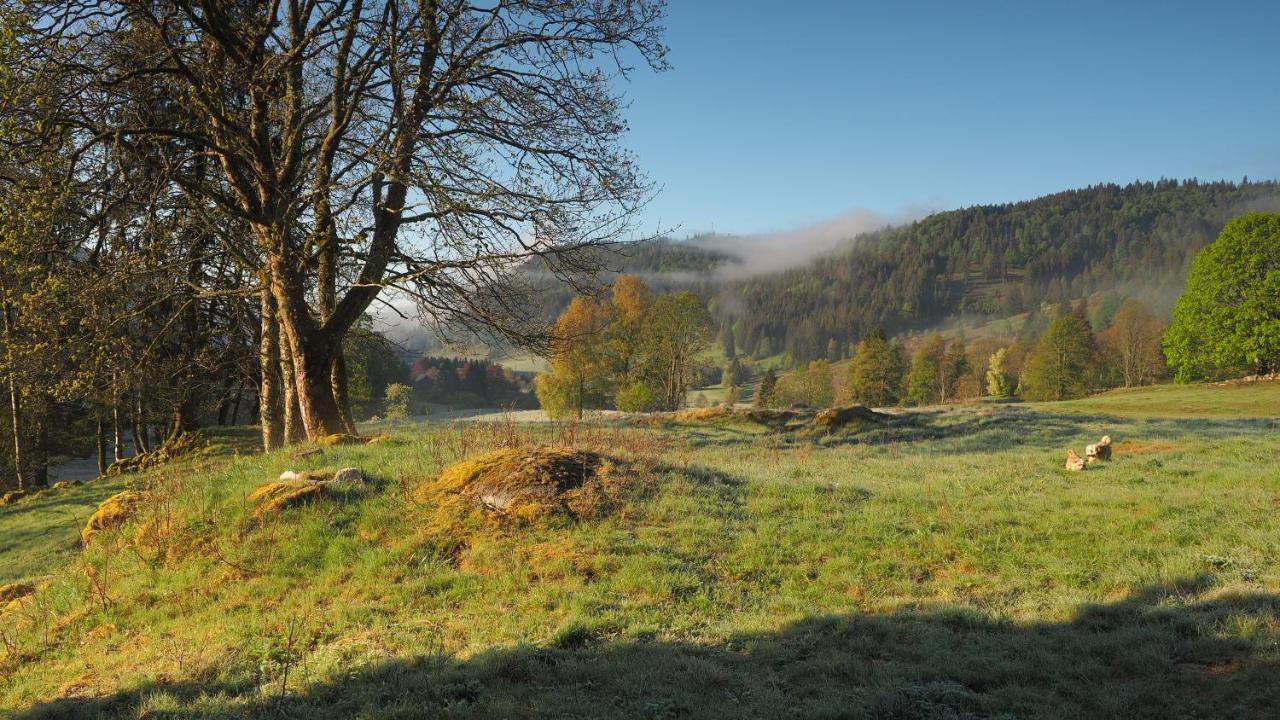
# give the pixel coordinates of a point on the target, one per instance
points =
(276, 496)
(112, 513)
(340, 439)
(62, 485)
(533, 482)
(12, 497)
(856, 417)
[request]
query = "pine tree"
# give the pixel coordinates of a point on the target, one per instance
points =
(768, 388)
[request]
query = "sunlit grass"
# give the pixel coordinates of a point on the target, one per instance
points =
(946, 567)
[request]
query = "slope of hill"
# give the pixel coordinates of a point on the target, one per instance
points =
(949, 569)
(979, 263)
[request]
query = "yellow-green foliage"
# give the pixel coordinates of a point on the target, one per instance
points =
(11, 497)
(276, 496)
(112, 513)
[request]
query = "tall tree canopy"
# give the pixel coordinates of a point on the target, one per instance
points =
(1228, 320)
(1063, 360)
(362, 144)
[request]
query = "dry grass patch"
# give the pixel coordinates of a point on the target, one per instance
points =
(702, 414)
(1138, 447)
(14, 592)
(112, 513)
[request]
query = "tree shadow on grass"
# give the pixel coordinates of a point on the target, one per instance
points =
(1152, 655)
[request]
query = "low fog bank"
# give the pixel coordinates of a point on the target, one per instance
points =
(770, 252)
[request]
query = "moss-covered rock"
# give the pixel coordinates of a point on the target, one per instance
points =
(340, 439)
(529, 483)
(276, 496)
(112, 513)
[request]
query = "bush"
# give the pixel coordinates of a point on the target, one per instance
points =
(636, 397)
(397, 401)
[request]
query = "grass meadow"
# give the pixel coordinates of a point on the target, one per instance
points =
(943, 566)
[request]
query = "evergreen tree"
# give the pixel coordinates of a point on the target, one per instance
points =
(727, 342)
(1063, 361)
(768, 388)
(875, 375)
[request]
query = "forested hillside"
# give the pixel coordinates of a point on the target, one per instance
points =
(980, 262)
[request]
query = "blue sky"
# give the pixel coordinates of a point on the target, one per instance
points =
(779, 115)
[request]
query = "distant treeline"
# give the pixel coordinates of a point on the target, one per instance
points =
(977, 263)
(469, 383)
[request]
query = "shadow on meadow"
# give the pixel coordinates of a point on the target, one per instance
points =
(983, 430)
(1149, 655)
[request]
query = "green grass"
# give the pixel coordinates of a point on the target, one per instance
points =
(945, 566)
(1243, 400)
(41, 534)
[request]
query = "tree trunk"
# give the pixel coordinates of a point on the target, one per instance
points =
(15, 410)
(40, 452)
(135, 426)
(102, 447)
(338, 377)
(269, 392)
(140, 434)
(235, 404)
(295, 431)
(116, 439)
(184, 419)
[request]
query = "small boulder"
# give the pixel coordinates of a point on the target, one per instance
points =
(351, 475)
(288, 475)
(12, 497)
(1074, 461)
